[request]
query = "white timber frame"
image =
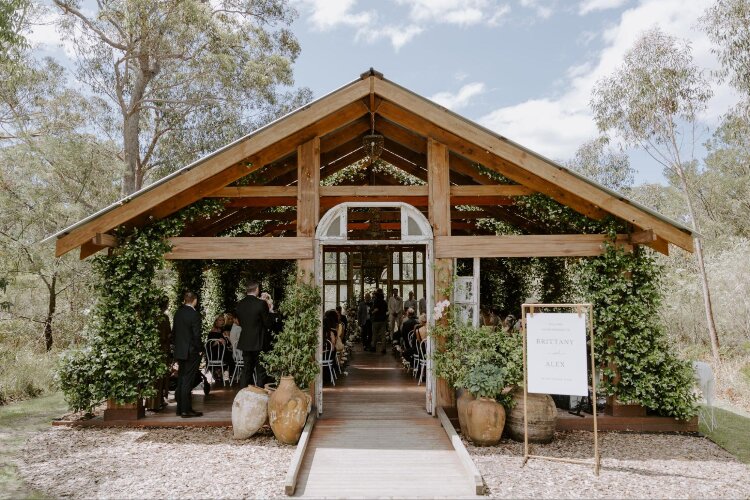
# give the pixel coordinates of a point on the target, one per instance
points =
(415, 230)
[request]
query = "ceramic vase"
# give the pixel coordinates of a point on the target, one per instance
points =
(288, 408)
(485, 422)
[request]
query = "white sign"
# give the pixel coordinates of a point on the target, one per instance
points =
(556, 354)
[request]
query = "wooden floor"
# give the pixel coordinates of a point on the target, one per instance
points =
(375, 439)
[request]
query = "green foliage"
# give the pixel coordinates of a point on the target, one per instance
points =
(466, 349)
(628, 334)
(293, 353)
(726, 23)
(123, 355)
(486, 381)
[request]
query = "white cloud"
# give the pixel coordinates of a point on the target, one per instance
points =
(587, 6)
(556, 125)
(461, 98)
(397, 35)
(326, 14)
(542, 8)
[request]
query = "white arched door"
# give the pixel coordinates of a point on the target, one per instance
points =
(415, 230)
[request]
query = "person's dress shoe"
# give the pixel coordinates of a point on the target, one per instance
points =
(179, 413)
(191, 413)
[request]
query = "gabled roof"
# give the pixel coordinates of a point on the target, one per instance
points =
(342, 107)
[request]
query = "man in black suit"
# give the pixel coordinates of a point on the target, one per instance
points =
(254, 319)
(187, 348)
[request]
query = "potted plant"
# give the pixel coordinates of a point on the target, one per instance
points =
(485, 416)
(292, 360)
(464, 347)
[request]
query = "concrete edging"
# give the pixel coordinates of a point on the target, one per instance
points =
(290, 483)
(463, 455)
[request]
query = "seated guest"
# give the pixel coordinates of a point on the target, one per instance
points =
(409, 324)
(228, 323)
(422, 328)
(217, 333)
(234, 332)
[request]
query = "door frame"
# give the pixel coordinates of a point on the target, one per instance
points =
(415, 230)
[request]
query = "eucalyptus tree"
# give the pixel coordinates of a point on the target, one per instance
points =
(54, 172)
(601, 163)
(162, 63)
(652, 101)
(727, 23)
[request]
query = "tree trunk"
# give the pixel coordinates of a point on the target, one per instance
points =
(131, 150)
(707, 304)
(51, 308)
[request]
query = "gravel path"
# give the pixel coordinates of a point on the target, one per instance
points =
(154, 463)
(633, 466)
(151, 463)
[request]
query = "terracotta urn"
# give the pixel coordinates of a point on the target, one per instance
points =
(485, 421)
(541, 415)
(249, 412)
(462, 403)
(288, 408)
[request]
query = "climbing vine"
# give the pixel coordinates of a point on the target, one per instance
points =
(122, 354)
(638, 364)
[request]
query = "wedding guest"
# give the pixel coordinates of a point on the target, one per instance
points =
(411, 302)
(422, 328)
(187, 348)
(395, 311)
(379, 316)
(252, 313)
(343, 323)
(365, 321)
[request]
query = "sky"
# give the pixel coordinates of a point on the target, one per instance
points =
(523, 68)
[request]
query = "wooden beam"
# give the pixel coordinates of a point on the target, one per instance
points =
(489, 147)
(331, 201)
(643, 237)
(492, 190)
(88, 248)
(220, 169)
(547, 245)
(308, 197)
(439, 187)
(481, 200)
(344, 134)
(275, 201)
(254, 191)
(240, 248)
(506, 168)
(401, 191)
(104, 240)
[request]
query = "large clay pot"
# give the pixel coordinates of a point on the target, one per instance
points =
(287, 411)
(462, 403)
(485, 422)
(542, 417)
(249, 412)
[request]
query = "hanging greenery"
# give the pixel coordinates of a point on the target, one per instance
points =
(122, 356)
(638, 363)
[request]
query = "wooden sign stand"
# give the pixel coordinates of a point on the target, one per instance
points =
(580, 309)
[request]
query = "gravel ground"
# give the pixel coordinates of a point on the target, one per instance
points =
(154, 463)
(633, 466)
(151, 463)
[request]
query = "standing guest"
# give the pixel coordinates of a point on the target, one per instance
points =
(423, 305)
(187, 348)
(379, 316)
(411, 302)
(269, 338)
(395, 311)
(343, 323)
(161, 384)
(254, 319)
(364, 313)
